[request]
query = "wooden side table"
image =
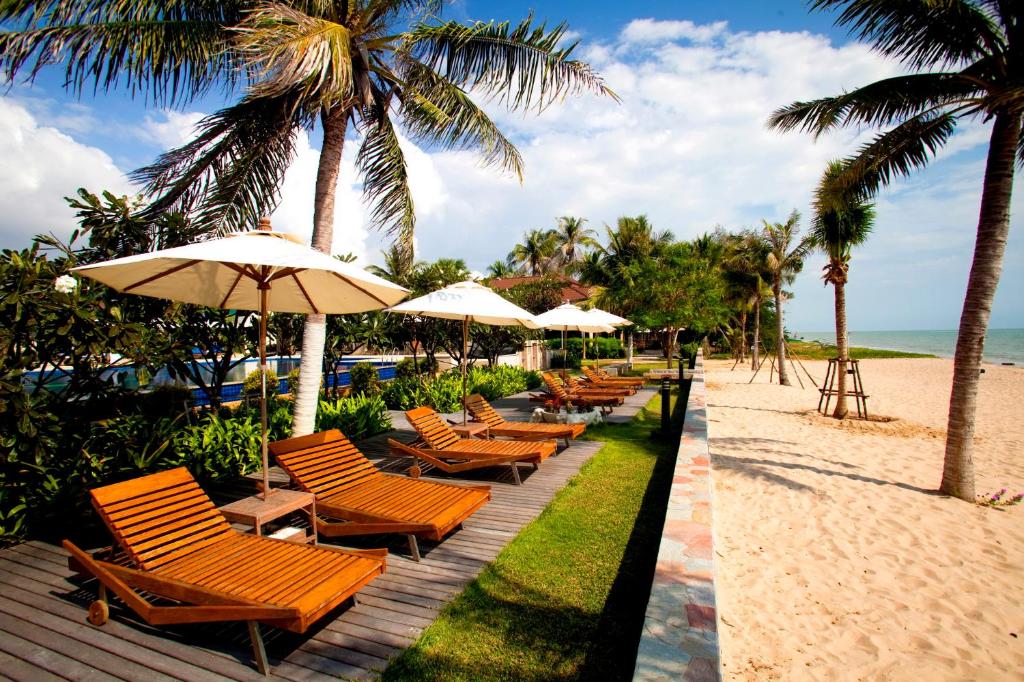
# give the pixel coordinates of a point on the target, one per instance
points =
(472, 430)
(255, 511)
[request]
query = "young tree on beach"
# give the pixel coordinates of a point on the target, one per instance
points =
(340, 65)
(840, 223)
(785, 260)
(967, 61)
(746, 260)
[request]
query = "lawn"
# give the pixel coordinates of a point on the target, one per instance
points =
(815, 350)
(566, 599)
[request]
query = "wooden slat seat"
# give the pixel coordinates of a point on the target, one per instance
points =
(498, 426)
(442, 447)
(181, 548)
(574, 386)
(599, 377)
(367, 501)
(557, 395)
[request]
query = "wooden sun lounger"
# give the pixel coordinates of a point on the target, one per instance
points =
(576, 387)
(349, 487)
(557, 395)
(483, 412)
(442, 447)
(601, 377)
(179, 547)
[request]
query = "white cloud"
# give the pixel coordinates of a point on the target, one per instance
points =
(652, 31)
(170, 129)
(41, 166)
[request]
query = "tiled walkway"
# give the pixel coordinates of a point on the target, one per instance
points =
(44, 634)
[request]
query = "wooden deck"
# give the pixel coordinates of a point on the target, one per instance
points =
(44, 634)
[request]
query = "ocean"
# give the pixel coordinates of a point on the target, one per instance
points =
(1001, 345)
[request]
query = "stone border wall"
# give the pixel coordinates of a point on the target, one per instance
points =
(680, 636)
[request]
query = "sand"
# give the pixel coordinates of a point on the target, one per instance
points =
(836, 560)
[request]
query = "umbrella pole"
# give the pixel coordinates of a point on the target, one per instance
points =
(264, 295)
(465, 352)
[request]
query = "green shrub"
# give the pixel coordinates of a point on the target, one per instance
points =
(363, 379)
(252, 386)
(356, 416)
(597, 348)
(404, 393)
(293, 383)
(444, 393)
(497, 382)
(219, 448)
(406, 368)
(533, 380)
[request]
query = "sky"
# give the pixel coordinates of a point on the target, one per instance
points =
(687, 146)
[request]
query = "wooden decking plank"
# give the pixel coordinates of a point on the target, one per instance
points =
(154, 663)
(88, 644)
(48, 659)
(17, 670)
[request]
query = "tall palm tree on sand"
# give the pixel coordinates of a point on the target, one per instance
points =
(968, 59)
(342, 65)
(840, 223)
(572, 240)
(785, 260)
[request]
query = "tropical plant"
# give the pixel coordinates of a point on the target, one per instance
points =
(363, 379)
(571, 240)
(357, 416)
(967, 61)
(840, 223)
(746, 267)
(536, 253)
(253, 382)
(219, 447)
(503, 268)
(785, 260)
(338, 64)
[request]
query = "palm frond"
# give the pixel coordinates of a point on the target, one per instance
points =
(521, 66)
(899, 151)
(386, 176)
(230, 174)
(169, 52)
(921, 33)
(286, 49)
(437, 112)
(881, 104)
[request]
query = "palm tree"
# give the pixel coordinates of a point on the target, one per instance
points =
(503, 268)
(572, 240)
(840, 223)
(784, 261)
(968, 56)
(340, 64)
(747, 261)
(536, 253)
(399, 265)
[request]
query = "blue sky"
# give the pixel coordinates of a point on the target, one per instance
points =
(687, 147)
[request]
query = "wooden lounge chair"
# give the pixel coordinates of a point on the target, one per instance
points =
(483, 412)
(557, 396)
(601, 385)
(176, 545)
(574, 387)
(349, 487)
(599, 376)
(442, 447)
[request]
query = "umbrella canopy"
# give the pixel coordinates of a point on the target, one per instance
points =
(570, 318)
(467, 302)
(227, 272)
(610, 319)
(261, 271)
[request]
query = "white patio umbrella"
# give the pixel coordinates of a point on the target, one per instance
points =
(261, 270)
(610, 319)
(468, 302)
(568, 317)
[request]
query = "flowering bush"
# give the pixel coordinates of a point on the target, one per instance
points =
(997, 500)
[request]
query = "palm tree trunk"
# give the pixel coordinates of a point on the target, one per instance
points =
(993, 230)
(743, 336)
(780, 339)
(308, 396)
(841, 349)
(755, 356)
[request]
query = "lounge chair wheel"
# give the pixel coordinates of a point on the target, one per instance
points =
(99, 612)
(414, 471)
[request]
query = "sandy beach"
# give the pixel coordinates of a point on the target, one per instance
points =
(836, 559)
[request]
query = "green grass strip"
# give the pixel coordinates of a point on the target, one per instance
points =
(565, 600)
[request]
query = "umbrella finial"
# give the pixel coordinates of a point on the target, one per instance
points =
(265, 224)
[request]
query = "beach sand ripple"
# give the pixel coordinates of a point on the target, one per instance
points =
(837, 560)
